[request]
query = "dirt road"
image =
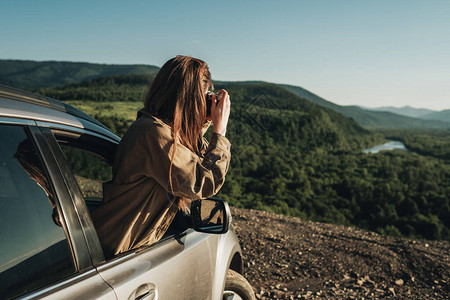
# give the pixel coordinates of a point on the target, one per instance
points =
(289, 258)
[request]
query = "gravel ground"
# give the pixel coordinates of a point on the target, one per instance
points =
(289, 258)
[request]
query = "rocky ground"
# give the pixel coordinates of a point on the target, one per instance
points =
(289, 258)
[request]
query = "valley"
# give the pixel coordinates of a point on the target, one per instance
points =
(297, 154)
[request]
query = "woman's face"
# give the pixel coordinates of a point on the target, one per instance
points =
(205, 84)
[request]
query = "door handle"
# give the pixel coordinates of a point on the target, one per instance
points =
(150, 295)
(144, 292)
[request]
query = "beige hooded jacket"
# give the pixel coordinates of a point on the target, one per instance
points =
(137, 206)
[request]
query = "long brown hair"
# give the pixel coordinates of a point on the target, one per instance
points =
(177, 96)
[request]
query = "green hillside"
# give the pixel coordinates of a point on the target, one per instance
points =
(265, 110)
(369, 118)
(104, 89)
(33, 74)
(294, 157)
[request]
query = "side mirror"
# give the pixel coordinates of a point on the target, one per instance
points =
(210, 215)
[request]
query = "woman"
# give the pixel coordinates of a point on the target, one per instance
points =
(163, 162)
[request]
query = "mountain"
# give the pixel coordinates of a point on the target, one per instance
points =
(420, 113)
(27, 74)
(33, 74)
(443, 115)
(404, 111)
(369, 118)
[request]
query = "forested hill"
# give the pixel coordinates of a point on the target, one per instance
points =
(27, 74)
(270, 114)
(261, 110)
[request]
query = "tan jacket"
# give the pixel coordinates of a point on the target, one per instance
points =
(137, 207)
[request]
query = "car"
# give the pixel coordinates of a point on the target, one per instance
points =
(53, 161)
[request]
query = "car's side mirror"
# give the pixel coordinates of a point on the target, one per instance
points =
(210, 215)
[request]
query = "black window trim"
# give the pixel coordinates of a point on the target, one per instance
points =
(63, 199)
(93, 253)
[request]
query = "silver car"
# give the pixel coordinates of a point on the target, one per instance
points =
(53, 161)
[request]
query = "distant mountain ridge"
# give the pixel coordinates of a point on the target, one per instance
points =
(421, 113)
(26, 74)
(374, 119)
(404, 111)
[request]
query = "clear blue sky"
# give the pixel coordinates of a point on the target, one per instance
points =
(364, 52)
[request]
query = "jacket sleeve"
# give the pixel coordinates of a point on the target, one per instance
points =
(193, 177)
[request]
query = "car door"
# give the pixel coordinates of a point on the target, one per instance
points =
(41, 252)
(178, 267)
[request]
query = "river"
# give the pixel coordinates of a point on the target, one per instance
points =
(391, 145)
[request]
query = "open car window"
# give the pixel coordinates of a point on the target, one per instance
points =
(90, 159)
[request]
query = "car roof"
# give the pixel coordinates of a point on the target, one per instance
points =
(26, 105)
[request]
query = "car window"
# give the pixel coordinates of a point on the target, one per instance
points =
(34, 250)
(90, 159)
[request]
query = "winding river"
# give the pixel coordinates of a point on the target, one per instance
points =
(391, 145)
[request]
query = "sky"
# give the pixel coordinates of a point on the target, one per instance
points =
(350, 52)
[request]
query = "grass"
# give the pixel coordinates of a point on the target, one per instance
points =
(123, 110)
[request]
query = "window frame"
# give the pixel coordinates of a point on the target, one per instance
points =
(92, 253)
(85, 276)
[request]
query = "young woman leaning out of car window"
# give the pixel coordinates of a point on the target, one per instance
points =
(163, 162)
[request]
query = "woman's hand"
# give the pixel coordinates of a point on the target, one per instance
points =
(220, 112)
